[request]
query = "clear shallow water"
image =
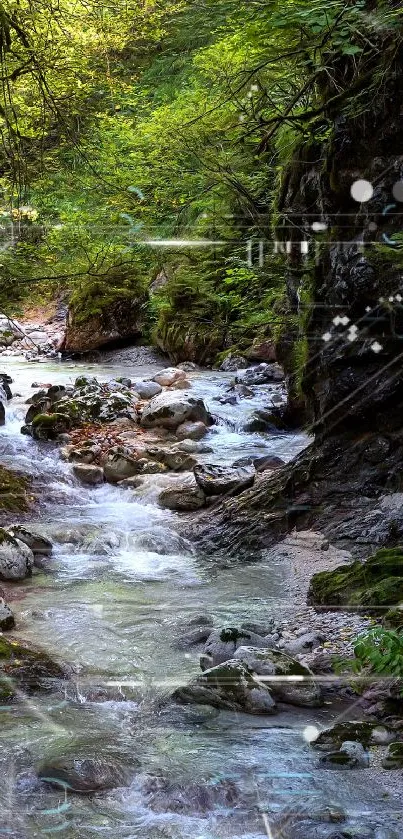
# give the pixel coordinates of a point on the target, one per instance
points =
(111, 602)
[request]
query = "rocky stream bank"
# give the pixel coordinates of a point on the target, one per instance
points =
(174, 693)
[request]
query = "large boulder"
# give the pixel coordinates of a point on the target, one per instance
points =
(219, 480)
(170, 410)
(119, 321)
(297, 688)
(232, 686)
(16, 558)
(183, 495)
(82, 775)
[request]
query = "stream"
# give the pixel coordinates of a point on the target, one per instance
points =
(112, 601)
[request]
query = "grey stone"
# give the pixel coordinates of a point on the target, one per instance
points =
(147, 390)
(218, 480)
(231, 686)
(16, 558)
(191, 431)
(88, 474)
(170, 410)
(184, 495)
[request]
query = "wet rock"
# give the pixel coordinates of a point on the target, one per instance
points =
(146, 390)
(184, 495)
(261, 374)
(165, 795)
(191, 431)
(88, 474)
(16, 558)
(85, 454)
(118, 466)
(39, 545)
(394, 757)
(262, 422)
(82, 775)
(231, 686)
(351, 755)
(192, 447)
(132, 483)
(169, 411)
(41, 407)
(218, 480)
(174, 459)
(7, 620)
(24, 667)
(194, 637)
(169, 376)
(261, 462)
(187, 366)
(232, 363)
(304, 691)
(2, 413)
(181, 384)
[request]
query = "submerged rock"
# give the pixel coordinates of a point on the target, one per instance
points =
(24, 667)
(165, 795)
(231, 686)
(261, 374)
(170, 410)
(184, 495)
(218, 480)
(16, 558)
(82, 775)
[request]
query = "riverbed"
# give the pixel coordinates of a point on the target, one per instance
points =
(112, 602)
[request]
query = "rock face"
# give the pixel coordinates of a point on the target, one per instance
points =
(170, 410)
(184, 495)
(16, 558)
(82, 775)
(122, 320)
(218, 480)
(231, 686)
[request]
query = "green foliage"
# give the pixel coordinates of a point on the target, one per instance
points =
(380, 650)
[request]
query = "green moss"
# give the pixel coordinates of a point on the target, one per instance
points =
(13, 491)
(231, 634)
(372, 585)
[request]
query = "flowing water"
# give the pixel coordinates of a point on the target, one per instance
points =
(111, 602)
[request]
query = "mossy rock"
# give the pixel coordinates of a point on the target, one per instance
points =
(23, 667)
(49, 426)
(13, 491)
(371, 585)
(354, 730)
